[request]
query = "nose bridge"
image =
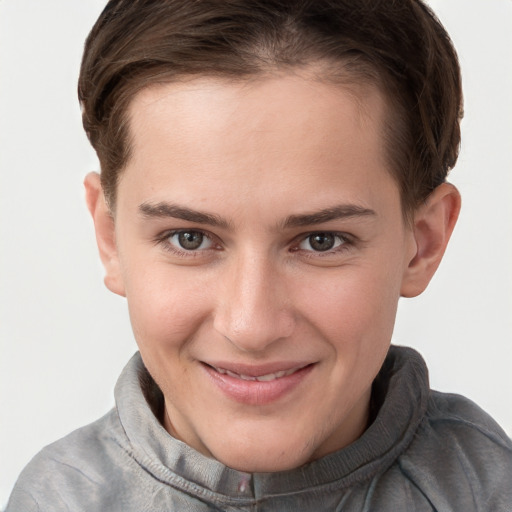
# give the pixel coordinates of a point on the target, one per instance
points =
(254, 310)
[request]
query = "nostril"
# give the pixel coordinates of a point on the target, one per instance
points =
(252, 322)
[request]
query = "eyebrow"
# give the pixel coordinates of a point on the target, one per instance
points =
(342, 211)
(164, 210)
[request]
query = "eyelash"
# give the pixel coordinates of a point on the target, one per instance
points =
(163, 240)
(347, 242)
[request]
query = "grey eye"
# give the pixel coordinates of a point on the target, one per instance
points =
(321, 242)
(190, 240)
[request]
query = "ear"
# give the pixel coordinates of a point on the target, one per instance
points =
(433, 225)
(105, 233)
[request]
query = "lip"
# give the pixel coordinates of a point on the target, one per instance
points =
(247, 390)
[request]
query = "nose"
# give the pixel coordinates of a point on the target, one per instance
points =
(253, 310)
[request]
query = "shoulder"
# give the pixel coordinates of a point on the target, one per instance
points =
(72, 469)
(460, 456)
(447, 409)
(456, 419)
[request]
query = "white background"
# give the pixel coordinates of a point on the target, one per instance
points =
(64, 338)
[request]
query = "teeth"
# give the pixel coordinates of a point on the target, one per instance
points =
(261, 378)
(243, 377)
(267, 378)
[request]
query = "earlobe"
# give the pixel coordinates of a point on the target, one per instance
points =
(105, 233)
(433, 225)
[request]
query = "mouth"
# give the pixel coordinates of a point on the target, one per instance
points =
(257, 385)
(268, 377)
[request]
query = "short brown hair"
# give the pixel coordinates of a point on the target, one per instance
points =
(397, 45)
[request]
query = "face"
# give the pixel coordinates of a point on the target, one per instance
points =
(262, 250)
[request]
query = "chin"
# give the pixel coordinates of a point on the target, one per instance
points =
(264, 459)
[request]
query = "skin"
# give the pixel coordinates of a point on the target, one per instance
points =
(259, 157)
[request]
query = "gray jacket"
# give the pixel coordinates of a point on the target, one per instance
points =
(424, 451)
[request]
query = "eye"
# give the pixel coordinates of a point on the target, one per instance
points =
(322, 242)
(190, 240)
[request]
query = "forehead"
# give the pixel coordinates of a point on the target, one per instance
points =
(281, 134)
(267, 104)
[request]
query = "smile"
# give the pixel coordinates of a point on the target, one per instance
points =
(260, 378)
(258, 385)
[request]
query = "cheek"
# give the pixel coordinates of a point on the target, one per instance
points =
(353, 306)
(166, 308)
